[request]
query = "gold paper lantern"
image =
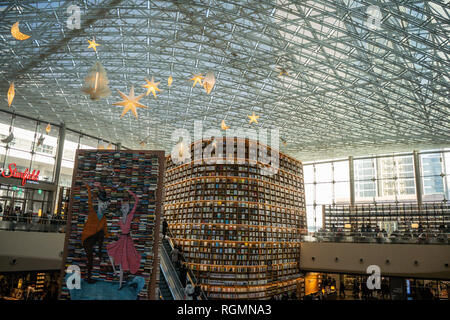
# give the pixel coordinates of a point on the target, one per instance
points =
(209, 81)
(11, 94)
(96, 83)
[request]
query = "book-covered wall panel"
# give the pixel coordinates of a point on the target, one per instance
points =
(113, 225)
(239, 229)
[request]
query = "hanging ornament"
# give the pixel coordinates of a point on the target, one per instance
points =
(197, 78)
(284, 142)
(151, 87)
(48, 128)
(130, 102)
(11, 94)
(40, 140)
(143, 144)
(101, 145)
(169, 81)
(109, 147)
(15, 32)
(209, 82)
(253, 118)
(283, 72)
(224, 126)
(9, 138)
(96, 83)
(93, 44)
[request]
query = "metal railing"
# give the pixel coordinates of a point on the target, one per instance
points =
(372, 237)
(33, 225)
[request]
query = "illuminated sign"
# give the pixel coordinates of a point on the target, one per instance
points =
(25, 176)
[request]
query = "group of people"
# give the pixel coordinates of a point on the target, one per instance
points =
(18, 215)
(285, 296)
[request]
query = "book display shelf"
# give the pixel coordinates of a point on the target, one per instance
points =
(430, 216)
(239, 229)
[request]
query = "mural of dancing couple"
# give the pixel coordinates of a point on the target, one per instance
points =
(114, 225)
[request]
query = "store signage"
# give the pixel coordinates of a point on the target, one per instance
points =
(25, 176)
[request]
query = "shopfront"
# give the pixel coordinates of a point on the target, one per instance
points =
(32, 200)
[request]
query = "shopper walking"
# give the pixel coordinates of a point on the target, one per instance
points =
(341, 289)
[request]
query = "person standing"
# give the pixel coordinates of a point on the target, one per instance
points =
(183, 274)
(189, 292)
(165, 226)
(175, 257)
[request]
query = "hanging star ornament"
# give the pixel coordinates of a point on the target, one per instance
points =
(253, 118)
(48, 128)
(11, 94)
(93, 44)
(224, 126)
(151, 87)
(130, 102)
(169, 81)
(197, 78)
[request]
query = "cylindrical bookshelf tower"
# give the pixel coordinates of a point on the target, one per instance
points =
(239, 229)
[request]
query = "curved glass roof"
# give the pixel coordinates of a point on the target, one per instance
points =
(337, 78)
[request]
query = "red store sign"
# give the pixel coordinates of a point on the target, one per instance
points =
(13, 173)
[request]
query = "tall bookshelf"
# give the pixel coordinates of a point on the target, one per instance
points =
(239, 229)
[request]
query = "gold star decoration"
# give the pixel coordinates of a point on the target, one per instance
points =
(48, 128)
(93, 44)
(151, 87)
(224, 126)
(197, 78)
(130, 102)
(11, 94)
(169, 81)
(253, 118)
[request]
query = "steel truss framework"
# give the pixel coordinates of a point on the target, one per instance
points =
(351, 87)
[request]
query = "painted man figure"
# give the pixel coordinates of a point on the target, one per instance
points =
(95, 229)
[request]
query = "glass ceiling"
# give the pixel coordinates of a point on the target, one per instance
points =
(337, 78)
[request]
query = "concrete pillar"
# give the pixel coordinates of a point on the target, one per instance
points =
(58, 161)
(352, 180)
(417, 177)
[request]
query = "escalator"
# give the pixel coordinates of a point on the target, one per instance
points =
(170, 285)
(164, 290)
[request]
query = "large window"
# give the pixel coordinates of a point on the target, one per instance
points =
(378, 179)
(435, 173)
(325, 183)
